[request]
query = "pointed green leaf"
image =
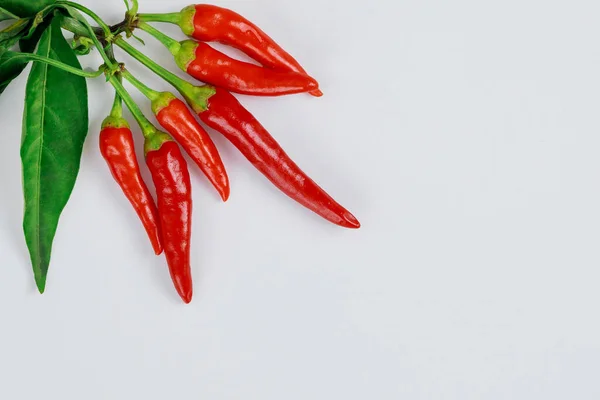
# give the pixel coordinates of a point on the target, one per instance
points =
(55, 125)
(11, 65)
(5, 14)
(28, 43)
(25, 8)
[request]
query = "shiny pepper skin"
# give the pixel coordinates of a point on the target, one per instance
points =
(178, 120)
(117, 148)
(174, 196)
(209, 65)
(217, 24)
(226, 115)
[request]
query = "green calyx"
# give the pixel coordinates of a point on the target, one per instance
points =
(186, 21)
(197, 97)
(162, 101)
(185, 54)
(114, 122)
(155, 141)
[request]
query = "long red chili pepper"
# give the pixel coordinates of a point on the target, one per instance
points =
(117, 148)
(226, 115)
(209, 23)
(211, 66)
(174, 194)
(177, 119)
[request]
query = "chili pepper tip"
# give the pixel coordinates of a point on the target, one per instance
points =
(350, 221)
(186, 293)
(224, 192)
(316, 93)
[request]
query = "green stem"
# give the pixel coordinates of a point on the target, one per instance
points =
(99, 47)
(145, 90)
(92, 14)
(58, 64)
(117, 108)
(134, 9)
(91, 33)
(148, 130)
(174, 80)
(172, 18)
(173, 45)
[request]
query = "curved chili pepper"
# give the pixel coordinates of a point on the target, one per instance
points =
(226, 115)
(173, 190)
(117, 148)
(209, 23)
(176, 118)
(209, 65)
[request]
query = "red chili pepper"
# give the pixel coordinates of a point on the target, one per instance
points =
(174, 194)
(210, 23)
(117, 148)
(176, 118)
(217, 24)
(211, 66)
(226, 115)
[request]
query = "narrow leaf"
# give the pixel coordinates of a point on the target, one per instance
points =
(55, 125)
(5, 14)
(25, 8)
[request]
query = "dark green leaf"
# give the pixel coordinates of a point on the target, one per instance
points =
(40, 24)
(11, 66)
(29, 43)
(25, 8)
(5, 14)
(55, 125)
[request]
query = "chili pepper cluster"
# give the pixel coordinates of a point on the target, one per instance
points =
(168, 221)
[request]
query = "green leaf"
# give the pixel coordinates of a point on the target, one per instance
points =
(11, 66)
(5, 14)
(28, 43)
(25, 8)
(40, 23)
(55, 125)
(12, 34)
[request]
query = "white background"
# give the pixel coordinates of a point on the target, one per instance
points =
(463, 134)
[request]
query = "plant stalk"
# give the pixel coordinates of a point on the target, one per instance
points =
(148, 130)
(172, 18)
(61, 65)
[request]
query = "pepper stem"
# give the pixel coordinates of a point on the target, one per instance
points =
(148, 130)
(196, 96)
(173, 45)
(168, 76)
(117, 108)
(115, 118)
(146, 91)
(171, 18)
(154, 138)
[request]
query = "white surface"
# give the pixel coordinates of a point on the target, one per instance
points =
(464, 135)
